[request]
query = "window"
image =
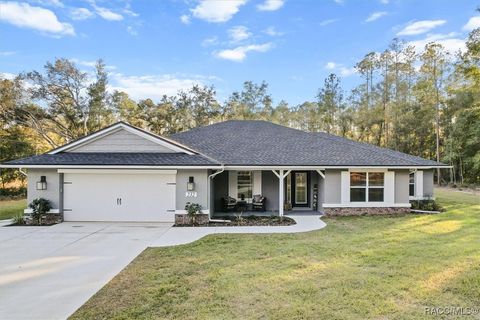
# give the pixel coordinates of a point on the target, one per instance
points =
(411, 184)
(300, 187)
(244, 184)
(367, 187)
(289, 188)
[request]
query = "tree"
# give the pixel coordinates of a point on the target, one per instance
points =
(253, 101)
(432, 75)
(75, 107)
(330, 104)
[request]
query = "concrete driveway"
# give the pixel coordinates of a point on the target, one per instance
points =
(49, 272)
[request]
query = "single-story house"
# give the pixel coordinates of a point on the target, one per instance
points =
(123, 173)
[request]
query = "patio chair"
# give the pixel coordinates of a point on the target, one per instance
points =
(258, 202)
(229, 204)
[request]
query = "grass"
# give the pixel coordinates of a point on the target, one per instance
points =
(12, 208)
(356, 267)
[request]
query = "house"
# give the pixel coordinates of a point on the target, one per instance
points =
(123, 173)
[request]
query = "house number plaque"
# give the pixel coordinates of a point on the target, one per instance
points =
(191, 194)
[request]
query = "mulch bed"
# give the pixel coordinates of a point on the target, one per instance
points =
(246, 221)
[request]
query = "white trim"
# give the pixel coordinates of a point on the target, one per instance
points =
(368, 170)
(56, 166)
(204, 211)
(218, 166)
(281, 192)
(167, 143)
(102, 171)
(254, 167)
(30, 211)
(320, 173)
(366, 205)
(276, 173)
(418, 183)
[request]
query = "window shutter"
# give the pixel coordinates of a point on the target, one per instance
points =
(389, 187)
(345, 187)
(419, 184)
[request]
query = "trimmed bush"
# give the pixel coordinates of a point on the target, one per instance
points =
(426, 205)
(39, 206)
(20, 192)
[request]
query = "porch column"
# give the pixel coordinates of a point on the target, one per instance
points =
(281, 174)
(281, 194)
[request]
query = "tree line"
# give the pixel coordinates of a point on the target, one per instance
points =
(425, 104)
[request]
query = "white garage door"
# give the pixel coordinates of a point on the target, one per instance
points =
(148, 196)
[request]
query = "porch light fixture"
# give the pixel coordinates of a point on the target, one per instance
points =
(42, 184)
(190, 184)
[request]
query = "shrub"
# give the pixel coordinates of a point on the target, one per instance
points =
(39, 206)
(13, 192)
(426, 205)
(193, 209)
(18, 220)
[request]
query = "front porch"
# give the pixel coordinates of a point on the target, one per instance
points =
(283, 192)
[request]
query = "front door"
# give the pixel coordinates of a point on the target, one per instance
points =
(300, 188)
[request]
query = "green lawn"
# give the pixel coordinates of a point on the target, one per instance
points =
(12, 208)
(357, 267)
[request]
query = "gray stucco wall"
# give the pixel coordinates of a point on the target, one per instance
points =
(53, 186)
(122, 141)
(428, 183)
(332, 186)
(401, 186)
(270, 189)
(201, 180)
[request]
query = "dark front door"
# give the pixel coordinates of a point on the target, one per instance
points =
(300, 189)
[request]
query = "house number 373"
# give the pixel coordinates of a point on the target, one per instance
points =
(191, 194)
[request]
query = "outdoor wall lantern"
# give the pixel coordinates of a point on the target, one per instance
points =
(190, 184)
(42, 184)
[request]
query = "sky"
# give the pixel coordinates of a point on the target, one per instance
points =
(157, 47)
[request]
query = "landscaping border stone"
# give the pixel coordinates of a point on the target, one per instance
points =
(359, 211)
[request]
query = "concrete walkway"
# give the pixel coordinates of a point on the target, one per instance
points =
(175, 236)
(49, 272)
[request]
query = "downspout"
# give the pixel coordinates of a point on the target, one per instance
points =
(23, 172)
(208, 195)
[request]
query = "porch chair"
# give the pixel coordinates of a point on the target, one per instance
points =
(258, 202)
(229, 204)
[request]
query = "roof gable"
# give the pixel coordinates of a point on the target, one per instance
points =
(122, 137)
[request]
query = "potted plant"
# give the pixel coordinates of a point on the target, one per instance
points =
(39, 206)
(193, 209)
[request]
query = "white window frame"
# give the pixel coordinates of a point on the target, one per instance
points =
(418, 181)
(412, 183)
(367, 186)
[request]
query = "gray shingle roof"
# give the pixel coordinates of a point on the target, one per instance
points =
(262, 143)
(115, 159)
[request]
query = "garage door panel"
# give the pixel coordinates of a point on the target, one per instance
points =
(119, 197)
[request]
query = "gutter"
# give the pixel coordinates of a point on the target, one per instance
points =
(222, 169)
